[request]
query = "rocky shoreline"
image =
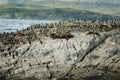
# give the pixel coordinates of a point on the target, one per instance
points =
(68, 50)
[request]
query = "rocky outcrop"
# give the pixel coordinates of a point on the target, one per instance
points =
(86, 56)
(83, 56)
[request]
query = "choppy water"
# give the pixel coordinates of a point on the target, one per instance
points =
(11, 25)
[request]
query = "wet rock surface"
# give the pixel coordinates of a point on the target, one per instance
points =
(34, 55)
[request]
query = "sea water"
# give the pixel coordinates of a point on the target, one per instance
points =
(11, 25)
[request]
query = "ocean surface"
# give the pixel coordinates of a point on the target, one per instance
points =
(11, 25)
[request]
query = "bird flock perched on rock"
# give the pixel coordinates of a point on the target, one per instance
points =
(57, 30)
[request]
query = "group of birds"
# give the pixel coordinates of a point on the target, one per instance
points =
(57, 30)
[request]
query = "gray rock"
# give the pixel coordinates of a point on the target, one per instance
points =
(60, 58)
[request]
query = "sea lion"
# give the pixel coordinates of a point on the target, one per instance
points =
(92, 32)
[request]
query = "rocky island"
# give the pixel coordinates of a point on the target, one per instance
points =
(67, 50)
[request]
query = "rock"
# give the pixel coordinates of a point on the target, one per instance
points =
(92, 56)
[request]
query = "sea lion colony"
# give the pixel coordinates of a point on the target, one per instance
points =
(56, 30)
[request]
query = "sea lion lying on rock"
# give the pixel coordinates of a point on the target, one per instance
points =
(61, 35)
